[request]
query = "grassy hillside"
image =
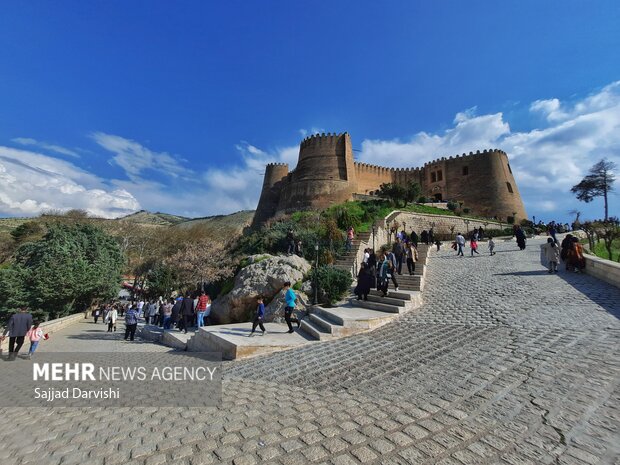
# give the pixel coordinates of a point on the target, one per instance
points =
(160, 219)
(222, 225)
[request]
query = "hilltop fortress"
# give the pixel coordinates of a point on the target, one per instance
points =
(326, 174)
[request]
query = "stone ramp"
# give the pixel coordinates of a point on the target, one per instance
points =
(234, 340)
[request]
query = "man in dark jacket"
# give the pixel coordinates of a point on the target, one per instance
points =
(19, 324)
(399, 252)
(176, 312)
(187, 310)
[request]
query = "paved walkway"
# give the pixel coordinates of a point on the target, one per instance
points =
(503, 363)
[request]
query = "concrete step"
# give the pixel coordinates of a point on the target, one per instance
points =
(314, 330)
(387, 300)
(323, 322)
(394, 294)
(376, 306)
(409, 287)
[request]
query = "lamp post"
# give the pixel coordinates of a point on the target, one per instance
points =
(374, 231)
(316, 275)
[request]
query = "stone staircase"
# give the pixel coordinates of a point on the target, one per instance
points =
(347, 260)
(357, 316)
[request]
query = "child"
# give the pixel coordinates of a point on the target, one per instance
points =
(258, 317)
(551, 251)
(491, 246)
(34, 334)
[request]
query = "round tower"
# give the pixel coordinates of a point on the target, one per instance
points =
(325, 174)
(273, 183)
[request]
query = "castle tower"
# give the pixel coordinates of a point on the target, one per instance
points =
(325, 174)
(275, 175)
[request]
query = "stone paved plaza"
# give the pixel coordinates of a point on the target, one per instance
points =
(503, 363)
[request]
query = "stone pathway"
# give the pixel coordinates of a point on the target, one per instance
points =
(503, 363)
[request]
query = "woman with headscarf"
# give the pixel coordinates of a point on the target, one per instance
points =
(575, 257)
(520, 235)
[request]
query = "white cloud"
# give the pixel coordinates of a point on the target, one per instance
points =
(135, 159)
(239, 187)
(27, 141)
(31, 183)
(546, 161)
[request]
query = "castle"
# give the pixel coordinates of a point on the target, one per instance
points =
(326, 174)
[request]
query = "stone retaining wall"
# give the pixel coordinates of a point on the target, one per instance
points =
(50, 327)
(602, 269)
(424, 221)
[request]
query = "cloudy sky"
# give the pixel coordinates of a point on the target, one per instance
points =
(115, 107)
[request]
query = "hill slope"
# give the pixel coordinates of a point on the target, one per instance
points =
(160, 219)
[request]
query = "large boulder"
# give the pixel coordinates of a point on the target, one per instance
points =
(265, 275)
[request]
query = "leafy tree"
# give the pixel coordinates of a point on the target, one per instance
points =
(398, 193)
(161, 280)
(452, 206)
(71, 266)
(609, 231)
(599, 182)
(412, 192)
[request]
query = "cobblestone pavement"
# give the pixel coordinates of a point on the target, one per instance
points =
(503, 363)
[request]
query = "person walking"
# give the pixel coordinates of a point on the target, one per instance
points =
(201, 308)
(258, 316)
(34, 335)
(151, 310)
(176, 313)
(520, 235)
(364, 282)
(96, 314)
(187, 310)
(566, 244)
(551, 252)
(290, 242)
(131, 323)
(424, 237)
(140, 308)
(167, 314)
(18, 326)
(383, 280)
(290, 297)
(473, 243)
(392, 269)
(491, 245)
(414, 238)
(460, 243)
(399, 252)
(411, 256)
(111, 318)
(350, 237)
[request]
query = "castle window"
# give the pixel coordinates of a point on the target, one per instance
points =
(465, 170)
(509, 187)
(439, 175)
(509, 168)
(433, 177)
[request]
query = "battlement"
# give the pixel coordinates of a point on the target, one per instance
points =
(319, 139)
(465, 155)
(326, 173)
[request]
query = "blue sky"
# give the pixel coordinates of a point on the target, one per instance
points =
(176, 106)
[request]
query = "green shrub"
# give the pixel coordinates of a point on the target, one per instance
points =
(333, 283)
(452, 206)
(422, 199)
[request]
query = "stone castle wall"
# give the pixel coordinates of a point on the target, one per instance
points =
(326, 174)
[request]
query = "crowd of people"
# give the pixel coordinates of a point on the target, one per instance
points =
(379, 268)
(182, 313)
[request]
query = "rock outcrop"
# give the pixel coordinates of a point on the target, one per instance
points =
(265, 276)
